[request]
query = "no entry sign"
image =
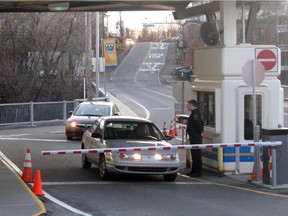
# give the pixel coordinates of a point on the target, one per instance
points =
(268, 57)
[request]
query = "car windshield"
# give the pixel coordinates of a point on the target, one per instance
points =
(92, 110)
(132, 130)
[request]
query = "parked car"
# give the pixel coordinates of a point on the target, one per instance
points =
(85, 114)
(121, 132)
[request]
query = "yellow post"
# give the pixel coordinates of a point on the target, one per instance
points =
(220, 162)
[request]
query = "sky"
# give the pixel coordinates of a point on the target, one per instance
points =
(135, 19)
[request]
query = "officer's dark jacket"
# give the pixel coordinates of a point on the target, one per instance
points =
(195, 127)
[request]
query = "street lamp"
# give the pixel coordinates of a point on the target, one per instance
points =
(59, 6)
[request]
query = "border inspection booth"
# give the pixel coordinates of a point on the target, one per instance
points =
(226, 101)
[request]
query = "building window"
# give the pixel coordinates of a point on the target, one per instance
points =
(248, 115)
(206, 101)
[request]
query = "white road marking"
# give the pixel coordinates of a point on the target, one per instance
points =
(28, 134)
(162, 108)
(14, 135)
(53, 132)
(121, 183)
(146, 111)
(64, 205)
(28, 139)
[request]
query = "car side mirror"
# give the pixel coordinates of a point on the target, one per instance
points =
(70, 113)
(168, 137)
(96, 135)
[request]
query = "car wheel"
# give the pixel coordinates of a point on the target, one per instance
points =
(85, 163)
(104, 175)
(170, 177)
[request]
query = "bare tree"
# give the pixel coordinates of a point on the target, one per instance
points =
(41, 56)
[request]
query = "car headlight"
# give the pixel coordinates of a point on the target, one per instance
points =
(158, 156)
(134, 156)
(73, 124)
(165, 157)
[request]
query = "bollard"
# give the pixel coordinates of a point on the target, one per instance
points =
(274, 168)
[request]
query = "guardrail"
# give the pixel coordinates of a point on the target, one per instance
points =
(41, 112)
(35, 112)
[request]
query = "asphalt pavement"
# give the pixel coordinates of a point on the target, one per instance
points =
(17, 197)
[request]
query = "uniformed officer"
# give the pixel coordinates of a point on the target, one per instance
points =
(194, 129)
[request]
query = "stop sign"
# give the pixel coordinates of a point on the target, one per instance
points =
(268, 57)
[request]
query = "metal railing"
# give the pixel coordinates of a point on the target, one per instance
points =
(41, 112)
(35, 112)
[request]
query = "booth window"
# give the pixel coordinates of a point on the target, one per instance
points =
(248, 115)
(206, 101)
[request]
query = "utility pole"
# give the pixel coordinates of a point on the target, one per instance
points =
(88, 55)
(97, 39)
(121, 28)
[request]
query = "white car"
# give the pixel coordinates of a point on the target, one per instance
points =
(121, 132)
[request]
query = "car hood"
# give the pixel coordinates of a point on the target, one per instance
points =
(134, 143)
(83, 119)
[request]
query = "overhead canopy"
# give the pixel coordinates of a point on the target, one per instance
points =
(89, 5)
(180, 7)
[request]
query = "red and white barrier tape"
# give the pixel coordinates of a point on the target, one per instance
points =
(177, 147)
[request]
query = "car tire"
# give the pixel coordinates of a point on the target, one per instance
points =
(104, 175)
(85, 163)
(170, 177)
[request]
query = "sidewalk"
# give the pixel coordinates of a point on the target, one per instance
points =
(16, 197)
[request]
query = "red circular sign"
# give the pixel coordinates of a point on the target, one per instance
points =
(267, 58)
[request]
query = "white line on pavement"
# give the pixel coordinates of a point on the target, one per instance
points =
(120, 183)
(28, 139)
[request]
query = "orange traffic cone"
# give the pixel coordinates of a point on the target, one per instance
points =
(172, 131)
(27, 170)
(37, 188)
(253, 173)
(175, 128)
(164, 129)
